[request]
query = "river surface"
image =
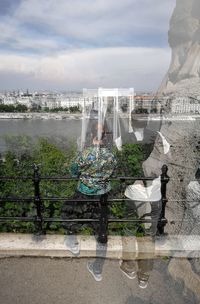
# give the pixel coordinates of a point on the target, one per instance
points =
(69, 129)
(65, 131)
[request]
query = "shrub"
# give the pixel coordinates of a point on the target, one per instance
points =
(55, 162)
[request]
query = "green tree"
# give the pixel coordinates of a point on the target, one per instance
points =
(21, 108)
(19, 163)
(53, 162)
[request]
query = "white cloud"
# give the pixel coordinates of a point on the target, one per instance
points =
(65, 14)
(95, 22)
(142, 68)
(88, 43)
(13, 38)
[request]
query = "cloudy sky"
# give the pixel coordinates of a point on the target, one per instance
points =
(71, 44)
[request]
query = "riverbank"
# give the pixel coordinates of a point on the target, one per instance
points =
(47, 115)
(42, 116)
(66, 115)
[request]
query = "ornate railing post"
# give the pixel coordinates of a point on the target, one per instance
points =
(37, 200)
(164, 180)
(103, 221)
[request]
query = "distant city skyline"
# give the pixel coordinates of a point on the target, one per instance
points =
(67, 45)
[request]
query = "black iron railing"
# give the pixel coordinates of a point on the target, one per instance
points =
(103, 219)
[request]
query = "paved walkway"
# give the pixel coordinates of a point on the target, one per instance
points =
(61, 281)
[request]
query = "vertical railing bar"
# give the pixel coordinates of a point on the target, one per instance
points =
(37, 200)
(164, 180)
(103, 220)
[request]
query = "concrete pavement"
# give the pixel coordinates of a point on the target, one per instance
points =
(66, 280)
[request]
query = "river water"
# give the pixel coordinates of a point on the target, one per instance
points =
(62, 131)
(66, 130)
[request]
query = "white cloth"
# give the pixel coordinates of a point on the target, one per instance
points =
(118, 142)
(138, 192)
(166, 145)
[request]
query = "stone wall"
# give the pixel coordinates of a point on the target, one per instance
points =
(182, 79)
(183, 76)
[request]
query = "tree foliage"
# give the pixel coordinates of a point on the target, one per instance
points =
(54, 161)
(21, 108)
(13, 108)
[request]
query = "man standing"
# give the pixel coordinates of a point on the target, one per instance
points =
(145, 196)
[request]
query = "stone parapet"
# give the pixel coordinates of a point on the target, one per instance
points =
(126, 248)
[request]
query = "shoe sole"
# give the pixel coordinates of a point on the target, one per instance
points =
(75, 252)
(143, 287)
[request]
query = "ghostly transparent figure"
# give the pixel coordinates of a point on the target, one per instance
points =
(110, 118)
(95, 161)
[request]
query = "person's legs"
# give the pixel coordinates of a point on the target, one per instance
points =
(145, 266)
(75, 210)
(144, 269)
(156, 208)
(69, 211)
(129, 267)
(72, 210)
(96, 267)
(145, 210)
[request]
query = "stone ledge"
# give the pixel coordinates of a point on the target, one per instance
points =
(12, 244)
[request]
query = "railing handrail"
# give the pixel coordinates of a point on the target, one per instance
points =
(103, 220)
(5, 177)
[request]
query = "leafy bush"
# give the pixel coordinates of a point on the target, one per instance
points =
(56, 162)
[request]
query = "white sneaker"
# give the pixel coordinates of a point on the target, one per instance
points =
(90, 268)
(72, 244)
(130, 274)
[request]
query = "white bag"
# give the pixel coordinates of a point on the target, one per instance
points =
(138, 192)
